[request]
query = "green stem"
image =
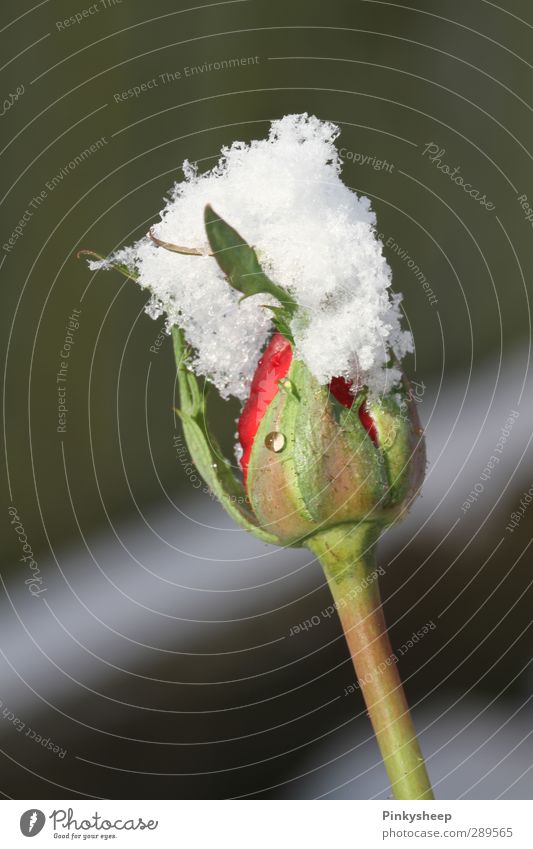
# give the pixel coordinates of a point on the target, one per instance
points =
(347, 554)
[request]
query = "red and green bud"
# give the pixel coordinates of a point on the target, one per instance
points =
(313, 457)
(316, 456)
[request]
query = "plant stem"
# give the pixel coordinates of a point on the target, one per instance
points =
(347, 554)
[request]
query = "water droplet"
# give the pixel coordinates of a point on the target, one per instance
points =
(420, 431)
(275, 441)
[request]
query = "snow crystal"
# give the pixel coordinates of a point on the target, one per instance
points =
(313, 235)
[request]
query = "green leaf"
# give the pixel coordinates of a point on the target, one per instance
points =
(204, 450)
(243, 272)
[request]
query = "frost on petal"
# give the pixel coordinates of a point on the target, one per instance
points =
(313, 235)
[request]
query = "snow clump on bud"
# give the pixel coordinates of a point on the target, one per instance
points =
(313, 236)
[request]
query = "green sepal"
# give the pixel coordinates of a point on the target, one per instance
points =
(393, 417)
(204, 450)
(280, 321)
(243, 272)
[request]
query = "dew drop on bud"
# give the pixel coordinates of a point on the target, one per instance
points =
(275, 441)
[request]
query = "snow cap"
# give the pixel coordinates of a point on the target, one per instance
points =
(313, 235)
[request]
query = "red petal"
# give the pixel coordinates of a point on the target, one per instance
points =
(272, 367)
(340, 389)
(368, 423)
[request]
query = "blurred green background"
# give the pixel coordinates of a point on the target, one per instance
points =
(395, 78)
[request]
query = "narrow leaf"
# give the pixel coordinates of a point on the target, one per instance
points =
(204, 450)
(125, 270)
(177, 249)
(239, 263)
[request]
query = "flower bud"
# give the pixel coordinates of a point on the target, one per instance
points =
(316, 456)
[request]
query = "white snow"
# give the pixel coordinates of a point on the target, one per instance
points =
(314, 236)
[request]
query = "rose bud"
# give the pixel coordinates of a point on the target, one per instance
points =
(318, 456)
